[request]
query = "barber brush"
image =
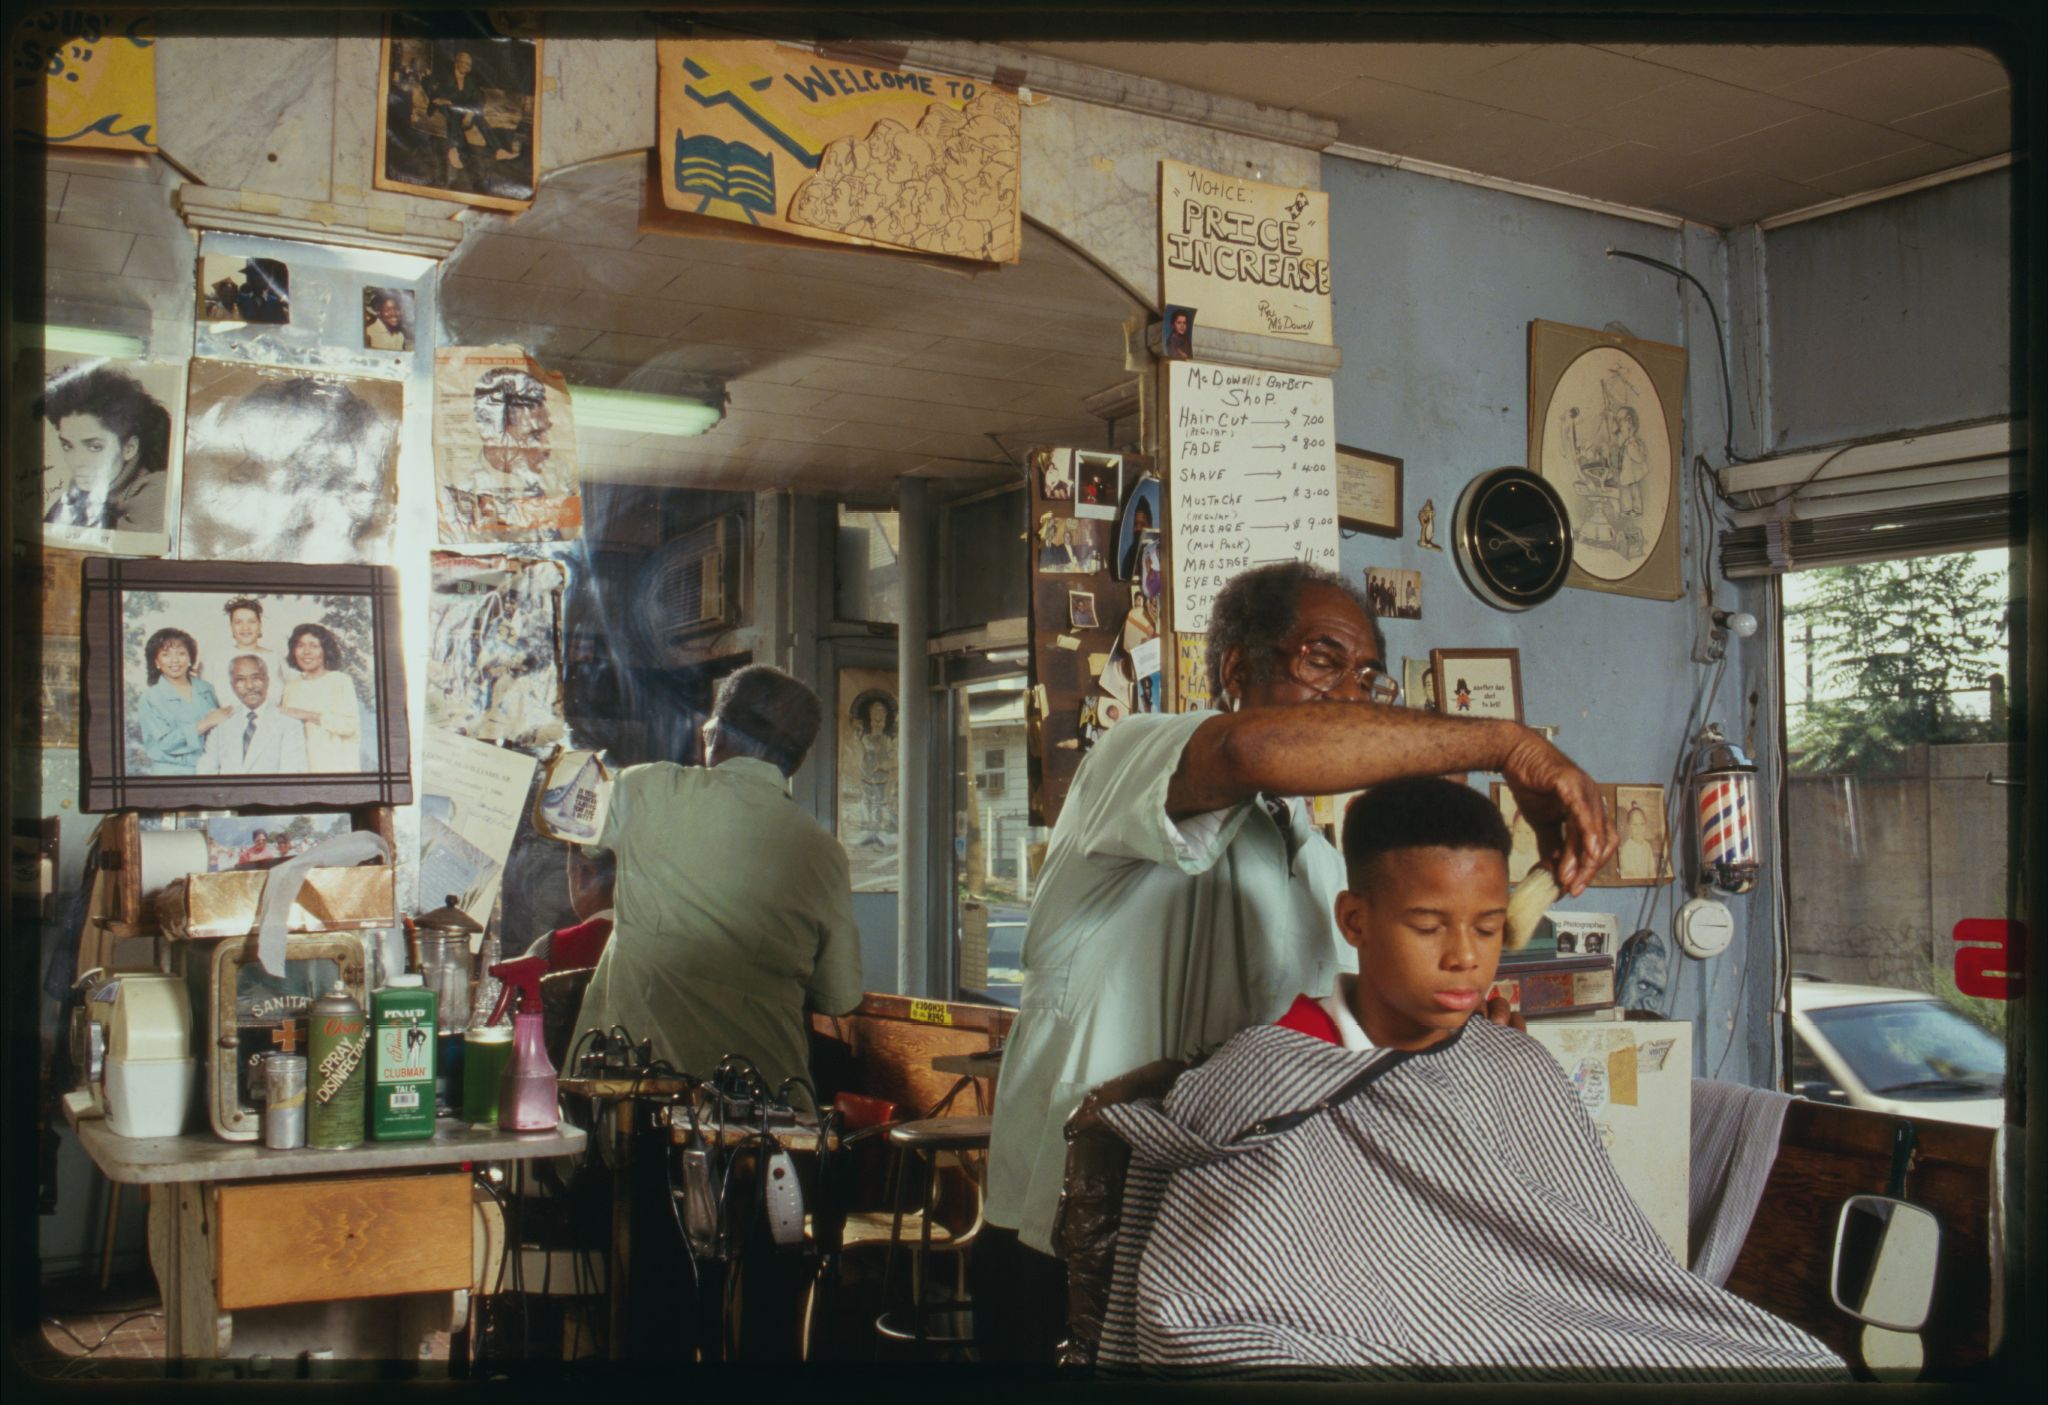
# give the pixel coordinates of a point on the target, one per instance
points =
(1531, 898)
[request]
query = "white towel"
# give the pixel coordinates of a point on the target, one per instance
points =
(1734, 1145)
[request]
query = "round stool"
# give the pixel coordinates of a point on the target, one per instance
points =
(965, 1139)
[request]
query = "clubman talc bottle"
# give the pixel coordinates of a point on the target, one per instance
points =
(402, 1061)
(335, 1049)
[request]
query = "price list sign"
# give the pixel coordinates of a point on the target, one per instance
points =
(1253, 471)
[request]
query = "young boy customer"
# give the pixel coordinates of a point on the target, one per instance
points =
(1380, 1185)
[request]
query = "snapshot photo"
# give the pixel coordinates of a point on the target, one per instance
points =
(243, 842)
(1055, 469)
(1177, 341)
(388, 319)
(1081, 610)
(1645, 855)
(110, 433)
(1523, 852)
(1585, 933)
(1395, 595)
(1068, 546)
(289, 465)
(1098, 485)
(1418, 685)
(236, 288)
(459, 116)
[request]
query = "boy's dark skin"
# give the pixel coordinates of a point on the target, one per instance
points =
(1427, 923)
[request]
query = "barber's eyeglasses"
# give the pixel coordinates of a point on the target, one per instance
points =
(1321, 668)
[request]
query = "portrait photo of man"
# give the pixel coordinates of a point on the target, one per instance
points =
(256, 738)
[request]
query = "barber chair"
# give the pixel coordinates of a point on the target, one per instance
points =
(921, 1151)
(1090, 1212)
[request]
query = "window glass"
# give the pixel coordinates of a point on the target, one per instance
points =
(1896, 815)
(995, 846)
(867, 570)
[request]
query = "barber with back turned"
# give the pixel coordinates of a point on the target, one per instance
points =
(1186, 895)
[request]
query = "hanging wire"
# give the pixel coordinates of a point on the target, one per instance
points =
(1720, 344)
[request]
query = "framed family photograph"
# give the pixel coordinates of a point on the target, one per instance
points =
(1478, 682)
(458, 116)
(1644, 858)
(227, 685)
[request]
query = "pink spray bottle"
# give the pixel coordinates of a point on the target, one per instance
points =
(527, 1099)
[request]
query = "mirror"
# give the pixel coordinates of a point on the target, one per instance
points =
(1885, 1254)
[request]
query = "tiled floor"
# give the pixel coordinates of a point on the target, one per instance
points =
(122, 1335)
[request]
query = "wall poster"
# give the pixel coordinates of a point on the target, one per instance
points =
(778, 138)
(1253, 257)
(867, 821)
(505, 467)
(289, 465)
(86, 77)
(494, 656)
(110, 434)
(1605, 430)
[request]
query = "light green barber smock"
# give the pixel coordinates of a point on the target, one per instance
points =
(1148, 939)
(734, 913)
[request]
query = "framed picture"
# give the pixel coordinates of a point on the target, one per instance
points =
(1098, 485)
(1604, 430)
(1395, 594)
(458, 113)
(1368, 492)
(1478, 682)
(215, 685)
(1644, 858)
(1418, 685)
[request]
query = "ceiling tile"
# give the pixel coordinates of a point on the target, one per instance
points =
(1759, 66)
(1914, 161)
(505, 256)
(1981, 126)
(1389, 117)
(1810, 145)
(1559, 82)
(1237, 70)
(1742, 197)
(776, 399)
(1509, 144)
(1690, 113)
(1895, 83)
(1629, 173)
(1429, 65)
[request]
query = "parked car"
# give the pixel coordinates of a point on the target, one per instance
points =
(1890, 1050)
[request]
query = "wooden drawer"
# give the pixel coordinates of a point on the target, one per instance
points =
(306, 1241)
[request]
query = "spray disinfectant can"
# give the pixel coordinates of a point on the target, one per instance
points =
(335, 1049)
(402, 1060)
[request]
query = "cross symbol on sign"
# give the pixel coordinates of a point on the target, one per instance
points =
(286, 1036)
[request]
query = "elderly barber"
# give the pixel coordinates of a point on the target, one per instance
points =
(1186, 895)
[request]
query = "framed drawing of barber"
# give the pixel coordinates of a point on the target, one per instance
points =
(110, 437)
(215, 685)
(460, 112)
(1604, 416)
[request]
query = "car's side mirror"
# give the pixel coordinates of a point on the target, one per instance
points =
(1885, 1253)
(1823, 1091)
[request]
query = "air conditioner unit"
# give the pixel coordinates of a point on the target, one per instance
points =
(691, 586)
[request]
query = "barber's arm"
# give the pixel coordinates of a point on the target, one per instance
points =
(1326, 749)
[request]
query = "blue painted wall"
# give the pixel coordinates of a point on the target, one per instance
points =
(1436, 283)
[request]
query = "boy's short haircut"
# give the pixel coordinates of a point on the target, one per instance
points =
(1423, 812)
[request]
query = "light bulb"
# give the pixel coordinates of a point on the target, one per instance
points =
(1739, 623)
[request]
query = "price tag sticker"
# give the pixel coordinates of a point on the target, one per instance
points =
(931, 1012)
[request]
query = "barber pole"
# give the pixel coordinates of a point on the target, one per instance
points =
(1725, 784)
(336, 1045)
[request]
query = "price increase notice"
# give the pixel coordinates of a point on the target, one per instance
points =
(1253, 468)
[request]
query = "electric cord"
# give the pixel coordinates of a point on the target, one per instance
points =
(106, 1336)
(1720, 345)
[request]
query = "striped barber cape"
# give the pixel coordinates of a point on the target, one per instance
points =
(1298, 1208)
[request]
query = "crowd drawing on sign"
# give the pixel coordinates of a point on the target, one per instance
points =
(949, 186)
(1605, 449)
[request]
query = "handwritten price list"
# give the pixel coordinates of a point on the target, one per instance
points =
(1253, 464)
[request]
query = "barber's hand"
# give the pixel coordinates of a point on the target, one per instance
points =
(1500, 1012)
(1574, 833)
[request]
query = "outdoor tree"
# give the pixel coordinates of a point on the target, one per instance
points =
(1892, 644)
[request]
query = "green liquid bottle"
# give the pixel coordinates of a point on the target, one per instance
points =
(485, 1052)
(402, 1072)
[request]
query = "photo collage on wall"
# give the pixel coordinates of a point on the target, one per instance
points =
(1098, 575)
